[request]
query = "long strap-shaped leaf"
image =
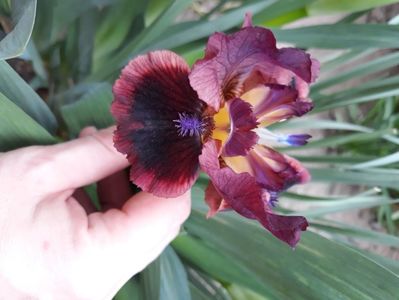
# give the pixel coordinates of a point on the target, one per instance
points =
(14, 43)
(19, 92)
(317, 269)
(17, 129)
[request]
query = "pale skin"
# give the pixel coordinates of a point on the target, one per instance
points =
(52, 243)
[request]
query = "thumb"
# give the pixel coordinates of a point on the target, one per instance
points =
(134, 236)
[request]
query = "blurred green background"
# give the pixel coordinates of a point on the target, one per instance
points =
(59, 59)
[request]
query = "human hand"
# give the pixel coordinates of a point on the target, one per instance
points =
(52, 246)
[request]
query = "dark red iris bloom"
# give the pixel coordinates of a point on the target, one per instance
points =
(172, 122)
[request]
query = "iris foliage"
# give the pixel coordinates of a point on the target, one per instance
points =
(71, 52)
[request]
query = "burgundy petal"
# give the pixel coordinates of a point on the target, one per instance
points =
(247, 20)
(274, 102)
(249, 55)
(274, 171)
(150, 95)
(241, 138)
(247, 197)
(214, 200)
(315, 69)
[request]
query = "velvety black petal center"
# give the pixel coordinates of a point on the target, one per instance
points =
(164, 161)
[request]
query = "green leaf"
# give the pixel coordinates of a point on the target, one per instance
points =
(239, 293)
(317, 269)
(110, 37)
(205, 287)
(147, 36)
(5, 7)
(343, 58)
(18, 91)
(333, 159)
(37, 62)
(350, 231)
(366, 68)
(14, 43)
(155, 9)
(369, 177)
(321, 7)
(342, 36)
(386, 262)
(130, 291)
(91, 110)
(335, 140)
(378, 162)
(183, 33)
(85, 44)
(281, 12)
(165, 278)
(18, 129)
(213, 262)
(354, 203)
(312, 123)
(163, 35)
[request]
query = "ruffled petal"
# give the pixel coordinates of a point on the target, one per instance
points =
(241, 138)
(150, 95)
(248, 198)
(235, 63)
(272, 103)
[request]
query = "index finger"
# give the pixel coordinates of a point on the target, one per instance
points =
(80, 162)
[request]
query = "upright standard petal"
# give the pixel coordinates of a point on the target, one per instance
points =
(248, 198)
(158, 117)
(237, 62)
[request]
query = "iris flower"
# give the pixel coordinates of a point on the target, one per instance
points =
(172, 122)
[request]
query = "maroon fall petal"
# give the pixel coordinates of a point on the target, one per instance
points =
(245, 58)
(248, 198)
(274, 171)
(242, 119)
(214, 200)
(150, 95)
(315, 69)
(279, 103)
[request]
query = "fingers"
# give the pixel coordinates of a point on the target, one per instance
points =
(77, 163)
(139, 232)
(113, 190)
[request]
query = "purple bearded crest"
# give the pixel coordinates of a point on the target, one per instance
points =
(173, 122)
